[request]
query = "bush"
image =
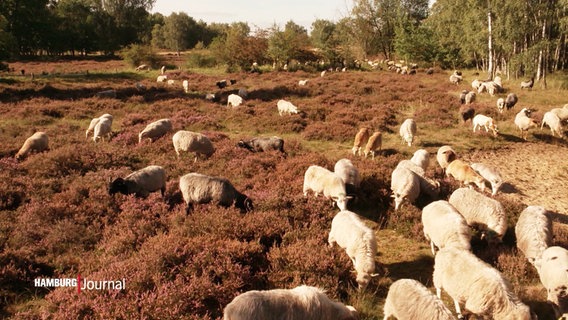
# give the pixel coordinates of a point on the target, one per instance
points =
(200, 60)
(137, 54)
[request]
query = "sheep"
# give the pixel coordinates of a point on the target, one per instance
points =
(140, 183)
(416, 165)
(142, 67)
(221, 84)
(490, 86)
(171, 82)
(481, 120)
(210, 97)
(155, 130)
(500, 105)
(322, 73)
(37, 142)
(303, 82)
(524, 122)
(421, 158)
(320, 180)
(444, 226)
(345, 169)
(360, 139)
(527, 84)
(188, 141)
(107, 94)
(373, 144)
(490, 174)
(161, 79)
(234, 100)
(263, 144)
(409, 299)
(553, 273)
(94, 122)
(475, 84)
(456, 77)
(163, 70)
(470, 97)
(185, 85)
(497, 80)
(462, 96)
(534, 233)
(462, 172)
(358, 240)
(243, 93)
(469, 280)
(466, 113)
(303, 302)
(408, 131)
(481, 212)
(103, 128)
(198, 188)
(405, 186)
(286, 107)
(562, 113)
(445, 156)
(553, 121)
(511, 100)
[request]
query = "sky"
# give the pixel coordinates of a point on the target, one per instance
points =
(258, 13)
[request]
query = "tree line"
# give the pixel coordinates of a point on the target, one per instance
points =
(519, 38)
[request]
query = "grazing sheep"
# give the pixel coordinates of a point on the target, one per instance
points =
(210, 97)
(37, 142)
(497, 80)
(500, 105)
(107, 94)
(490, 174)
(303, 82)
(358, 240)
(562, 113)
(373, 144)
(481, 212)
(140, 183)
(408, 131)
(360, 139)
(405, 186)
(490, 86)
(553, 121)
(103, 128)
(456, 77)
(243, 93)
(303, 302)
(142, 67)
(553, 272)
(475, 84)
(421, 158)
(409, 299)
(524, 122)
(462, 96)
(155, 130)
(345, 169)
(430, 71)
(470, 97)
(188, 141)
(444, 226)
(185, 85)
(199, 188)
(234, 100)
(286, 107)
(445, 156)
(94, 122)
(263, 144)
(486, 122)
(469, 280)
(161, 79)
(171, 82)
(527, 84)
(533, 232)
(427, 186)
(320, 180)
(463, 172)
(466, 113)
(511, 100)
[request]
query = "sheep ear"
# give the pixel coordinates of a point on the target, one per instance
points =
(348, 197)
(374, 275)
(334, 198)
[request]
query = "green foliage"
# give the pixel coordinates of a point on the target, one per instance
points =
(136, 55)
(286, 45)
(201, 59)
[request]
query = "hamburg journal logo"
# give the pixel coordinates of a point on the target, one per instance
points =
(80, 283)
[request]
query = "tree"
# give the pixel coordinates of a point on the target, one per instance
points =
(287, 44)
(324, 38)
(237, 48)
(180, 32)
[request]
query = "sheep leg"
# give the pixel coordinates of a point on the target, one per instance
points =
(439, 293)
(189, 208)
(458, 309)
(433, 248)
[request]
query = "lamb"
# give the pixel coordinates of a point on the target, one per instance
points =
(445, 156)
(161, 79)
(199, 188)
(140, 183)
(263, 144)
(345, 169)
(486, 122)
(553, 273)
(107, 94)
(466, 113)
(155, 130)
(444, 226)
(481, 212)
(456, 77)
(409, 299)
(360, 139)
(373, 144)
(234, 100)
(103, 128)
(94, 122)
(286, 107)
(490, 174)
(185, 85)
(481, 287)
(553, 121)
(534, 233)
(408, 131)
(405, 186)
(188, 141)
(462, 172)
(358, 240)
(303, 302)
(37, 142)
(320, 180)
(524, 122)
(527, 84)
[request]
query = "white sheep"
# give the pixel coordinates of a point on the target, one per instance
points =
(188, 141)
(427, 185)
(553, 272)
(103, 128)
(303, 302)
(234, 100)
(199, 188)
(553, 121)
(445, 156)
(469, 280)
(409, 299)
(475, 84)
(142, 67)
(481, 212)
(524, 122)
(345, 169)
(445, 227)
(303, 82)
(484, 121)
(421, 158)
(171, 82)
(527, 84)
(322, 181)
(533, 232)
(470, 97)
(37, 142)
(491, 174)
(140, 183)
(408, 131)
(405, 186)
(456, 77)
(161, 79)
(358, 240)
(464, 173)
(500, 105)
(361, 139)
(562, 113)
(286, 107)
(373, 144)
(155, 130)
(185, 85)
(94, 122)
